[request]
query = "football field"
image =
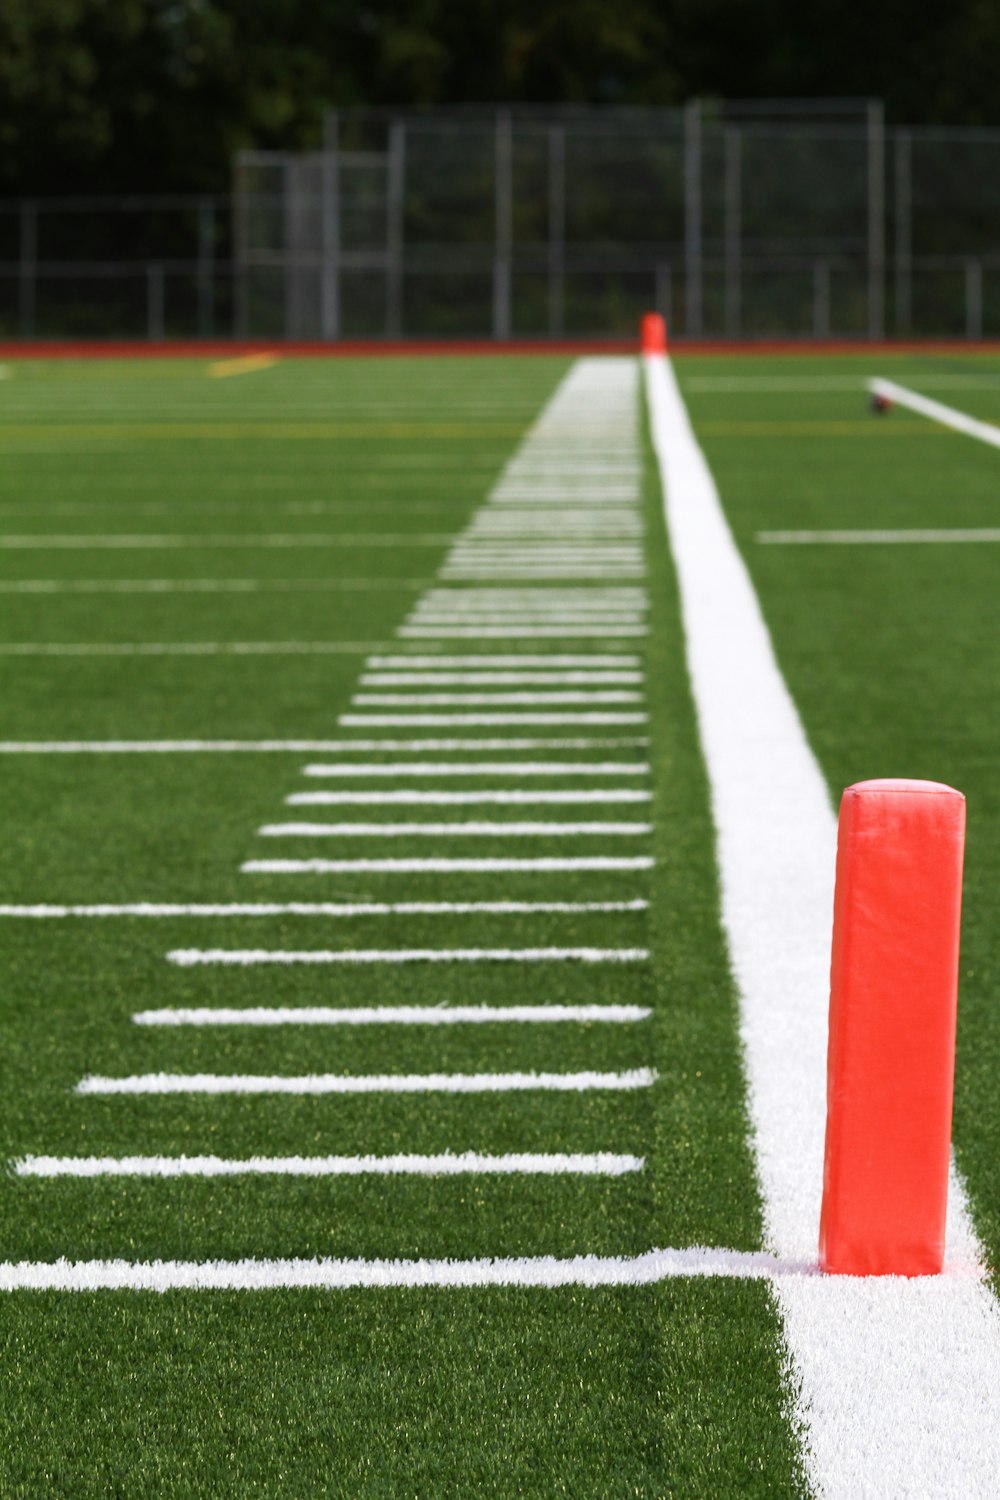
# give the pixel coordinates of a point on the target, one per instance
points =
(412, 1040)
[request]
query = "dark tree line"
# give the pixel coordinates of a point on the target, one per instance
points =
(156, 95)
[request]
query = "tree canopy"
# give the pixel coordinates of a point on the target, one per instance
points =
(156, 95)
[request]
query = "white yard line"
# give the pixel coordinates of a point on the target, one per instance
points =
(189, 648)
(476, 662)
(948, 416)
(384, 1083)
(188, 958)
(547, 864)
(203, 585)
(552, 678)
(227, 747)
(149, 541)
(459, 829)
(519, 633)
(461, 799)
(475, 699)
(445, 1164)
(321, 1273)
(393, 1015)
(879, 537)
(896, 1381)
(553, 768)
(433, 721)
(345, 909)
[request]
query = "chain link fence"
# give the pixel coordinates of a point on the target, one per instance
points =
(736, 220)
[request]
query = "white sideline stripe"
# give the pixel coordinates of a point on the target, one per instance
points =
(430, 721)
(447, 1164)
(879, 1414)
(463, 829)
(391, 1015)
(508, 632)
(552, 768)
(200, 585)
(874, 538)
(445, 700)
(476, 662)
(183, 747)
(188, 958)
(317, 908)
(544, 864)
(378, 1083)
(548, 678)
(158, 541)
(542, 1271)
(189, 648)
(948, 416)
(456, 799)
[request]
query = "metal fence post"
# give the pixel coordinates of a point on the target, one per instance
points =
(692, 219)
(504, 150)
(557, 230)
(904, 231)
(27, 282)
(973, 299)
(876, 219)
(155, 300)
(821, 299)
(206, 266)
(395, 211)
(733, 188)
(330, 230)
(241, 235)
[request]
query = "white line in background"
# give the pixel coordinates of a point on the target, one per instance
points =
(202, 585)
(456, 829)
(187, 958)
(876, 538)
(545, 864)
(446, 700)
(433, 720)
(385, 1083)
(880, 1416)
(519, 661)
(393, 1015)
(157, 541)
(447, 1164)
(189, 648)
(183, 747)
(552, 678)
(343, 909)
(543, 1271)
(948, 416)
(381, 798)
(519, 633)
(553, 768)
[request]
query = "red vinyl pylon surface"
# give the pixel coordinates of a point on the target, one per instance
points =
(891, 1062)
(653, 334)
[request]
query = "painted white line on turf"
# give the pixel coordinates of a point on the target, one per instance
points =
(317, 909)
(879, 1413)
(385, 1083)
(552, 678)
(121, 541)
(542, 1271)
(184, 747)
(202, 585)
(544, 864)
(455, 799)
(948, 416)
(478, 662)
(553, 768)
(446, 1164)
(189, 648)
(433, 720)
(464, 829)
(445, 700)
(393, 1015)
(188, 958)
(877, 538)
(510, 632)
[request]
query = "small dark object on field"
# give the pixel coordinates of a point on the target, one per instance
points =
(879, 404)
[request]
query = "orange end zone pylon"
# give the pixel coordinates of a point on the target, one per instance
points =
(653, 334)
(891, 1061)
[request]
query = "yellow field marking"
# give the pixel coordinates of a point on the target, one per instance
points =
(244, 365)
(875, 427)
(225, 431)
